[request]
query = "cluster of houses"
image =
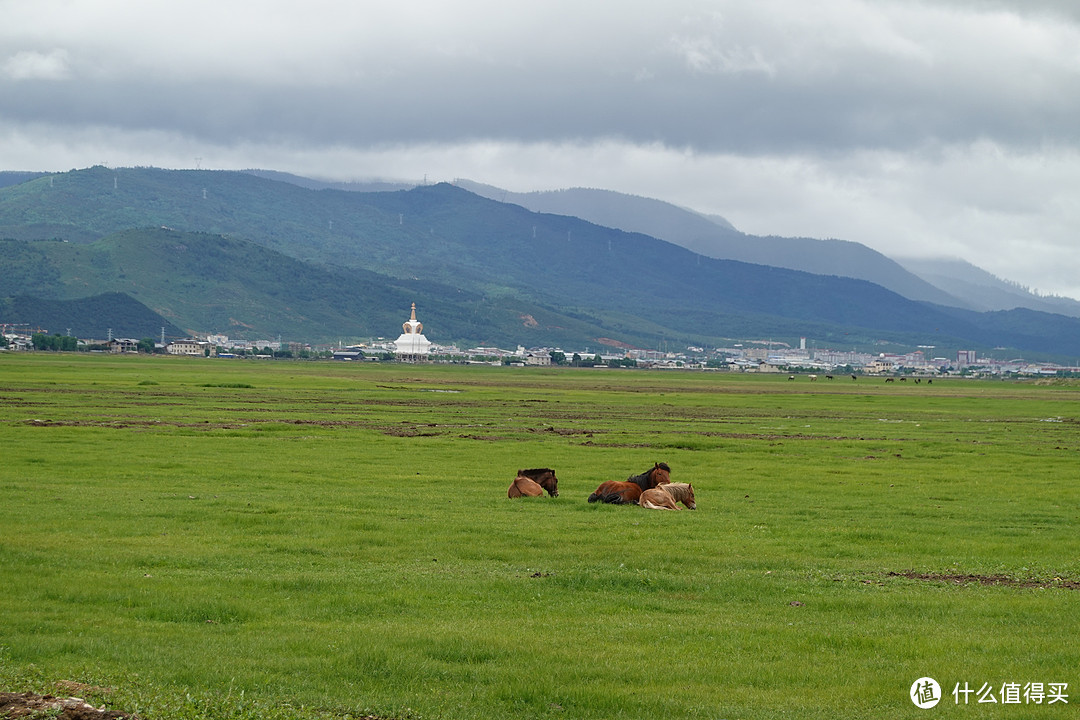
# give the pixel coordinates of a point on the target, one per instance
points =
(201, 348)
(917, 362)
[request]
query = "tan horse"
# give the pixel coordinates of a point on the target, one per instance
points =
(533, 483)
(524, 487)
(664, 497)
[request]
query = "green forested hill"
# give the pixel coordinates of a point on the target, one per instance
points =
(265, 257)
(89, 318)
(209, 283)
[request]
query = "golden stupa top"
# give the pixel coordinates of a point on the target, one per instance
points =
(412, 326)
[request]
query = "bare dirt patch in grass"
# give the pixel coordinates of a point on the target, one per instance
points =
(973, 579)
(32, 705)
(70, 706)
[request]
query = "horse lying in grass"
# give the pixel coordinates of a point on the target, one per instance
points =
(664, 497)
(533, 483)
(627, 492)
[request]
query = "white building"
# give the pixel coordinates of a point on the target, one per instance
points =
(198, 348)
(124, 345)
(411, 345)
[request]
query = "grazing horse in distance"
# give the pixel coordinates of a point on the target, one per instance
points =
(664, 497)
(627, 492)
(542, 478)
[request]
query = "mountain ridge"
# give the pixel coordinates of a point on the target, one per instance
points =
(589, 280)
(932, 280)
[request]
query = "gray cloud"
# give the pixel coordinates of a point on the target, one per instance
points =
(732, 79)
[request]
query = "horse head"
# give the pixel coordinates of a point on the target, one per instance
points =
(689, 500)
(549, 482)
(660, 474)
(681, 492)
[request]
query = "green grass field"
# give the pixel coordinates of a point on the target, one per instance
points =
(217, 538)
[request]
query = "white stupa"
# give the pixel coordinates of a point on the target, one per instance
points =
(412, 345)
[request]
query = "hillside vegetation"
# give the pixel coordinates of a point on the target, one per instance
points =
(211, 283)
(717, 238)
(266, 257)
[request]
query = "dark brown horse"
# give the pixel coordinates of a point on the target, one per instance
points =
(541, 478)
(628, 491)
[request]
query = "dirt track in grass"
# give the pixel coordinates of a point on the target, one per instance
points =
(968, 579)
(32, 705)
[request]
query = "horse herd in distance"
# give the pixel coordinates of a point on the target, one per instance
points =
(812, 378)
(651, 489)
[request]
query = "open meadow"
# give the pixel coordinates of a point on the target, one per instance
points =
(215, 538)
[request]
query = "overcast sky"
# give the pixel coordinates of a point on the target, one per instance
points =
(939, 128)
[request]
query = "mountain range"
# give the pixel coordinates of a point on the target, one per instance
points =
(947, 281)
(260, 254)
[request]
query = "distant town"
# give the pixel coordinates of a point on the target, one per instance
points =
(763, 357)
(413, 346)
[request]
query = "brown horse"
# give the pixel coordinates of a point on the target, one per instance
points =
(524, 487)
(627, 492)
(533, 483)
(665, 496)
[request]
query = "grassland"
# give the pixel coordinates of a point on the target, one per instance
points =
(237, 539)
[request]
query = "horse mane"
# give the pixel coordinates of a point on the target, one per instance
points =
(533, 472)
(678, 491)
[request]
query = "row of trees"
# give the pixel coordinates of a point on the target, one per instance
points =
(577, 360)
(41, 341)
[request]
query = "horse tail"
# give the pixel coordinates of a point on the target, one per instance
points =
(606, 497)
(615, 498)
